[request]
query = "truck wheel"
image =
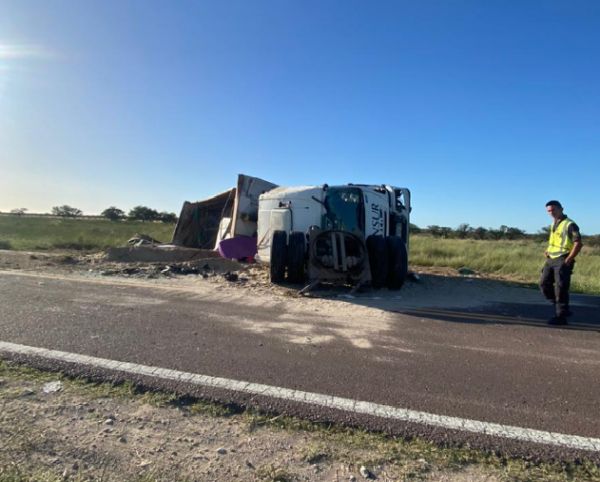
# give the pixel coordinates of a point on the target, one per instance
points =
(378, 260)
(296, 255)
(397, 262)
(278, 256)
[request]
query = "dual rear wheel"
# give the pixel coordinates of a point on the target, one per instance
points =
(288, 254)
(388, 260)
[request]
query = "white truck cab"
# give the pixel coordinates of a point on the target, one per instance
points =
(364, 220)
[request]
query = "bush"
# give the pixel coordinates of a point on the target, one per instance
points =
(113, 213)
(167, 217)
(414, 229)
(66, 211)
(464, 231)
(5, 244)
(143, 213)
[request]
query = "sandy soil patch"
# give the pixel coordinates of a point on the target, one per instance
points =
(87, 432)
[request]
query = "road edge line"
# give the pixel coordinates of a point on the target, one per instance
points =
(327, 401)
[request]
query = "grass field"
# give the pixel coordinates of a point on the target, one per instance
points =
(520, 260)
(44, 233)
(513, 260)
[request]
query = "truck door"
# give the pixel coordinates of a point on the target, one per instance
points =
(376, 214)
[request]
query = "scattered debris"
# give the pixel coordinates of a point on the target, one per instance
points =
(67, 259)
(165, 253)
(52, 387)
(202, 267)
(26, 392)
(141, 240)
(464, 271)
(366, 473)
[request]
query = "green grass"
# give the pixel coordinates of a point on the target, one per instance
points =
(515, 260)
(46, 233)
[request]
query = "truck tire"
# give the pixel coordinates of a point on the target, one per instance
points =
(278, 256)
(296, 257)
(378, 260)
(397, 262)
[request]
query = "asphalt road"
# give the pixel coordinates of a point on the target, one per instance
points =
(498, 364)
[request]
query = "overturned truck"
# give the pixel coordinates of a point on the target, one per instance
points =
(354, 234)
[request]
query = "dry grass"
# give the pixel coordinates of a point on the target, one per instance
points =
(44, 233)
(519, 260)
(325, 445)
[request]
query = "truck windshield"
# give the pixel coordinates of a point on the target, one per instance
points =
(344, 206)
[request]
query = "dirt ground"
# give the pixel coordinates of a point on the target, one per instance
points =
(431, 287)
(90, 432)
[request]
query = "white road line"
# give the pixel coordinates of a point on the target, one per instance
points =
(327, 401)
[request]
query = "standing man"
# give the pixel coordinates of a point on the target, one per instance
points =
(563, 246)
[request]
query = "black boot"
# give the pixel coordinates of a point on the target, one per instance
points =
(558, 320)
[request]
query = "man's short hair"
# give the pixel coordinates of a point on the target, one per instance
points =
(554, 203)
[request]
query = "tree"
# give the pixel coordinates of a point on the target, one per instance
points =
(434, 230)
(480, 233)
(66, 211)
(542, 234)
(414, 228)
(18, 211)
(495, 233)
(143, 213)
(439, 231)
(113, 213)
(514, 233)
(463, 230)
(166, 217)
(445, 231)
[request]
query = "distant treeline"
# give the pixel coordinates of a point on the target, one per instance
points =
(465, 231)
(50, 215)
(138, 213)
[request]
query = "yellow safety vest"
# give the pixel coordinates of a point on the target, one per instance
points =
(559, 243)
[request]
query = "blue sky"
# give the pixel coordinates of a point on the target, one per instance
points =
(484, 109)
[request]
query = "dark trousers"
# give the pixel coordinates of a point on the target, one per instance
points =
(555, 283)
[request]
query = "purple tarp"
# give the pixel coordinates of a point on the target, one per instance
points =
(240, 247)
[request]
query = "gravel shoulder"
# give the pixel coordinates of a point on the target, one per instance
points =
(55, 428)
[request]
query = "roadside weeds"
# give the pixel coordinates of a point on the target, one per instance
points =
(103, 432)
